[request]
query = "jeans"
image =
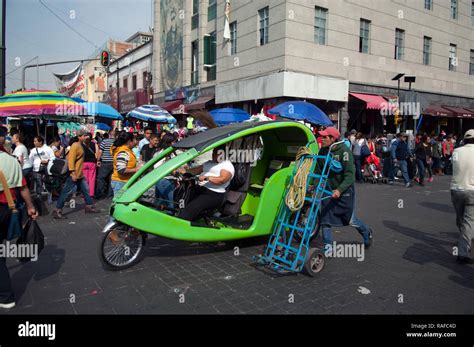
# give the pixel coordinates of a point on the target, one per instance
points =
(6, 291)
(69, 186)
(404, 169)
(164, 193)
(355, 222)
(421, 169)
(116, 186)
(38, 180)
(103, 180)
(463, 202)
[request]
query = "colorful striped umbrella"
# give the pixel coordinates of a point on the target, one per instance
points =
(152, 113)
(28, 103)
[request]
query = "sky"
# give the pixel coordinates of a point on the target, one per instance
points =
(32, 30)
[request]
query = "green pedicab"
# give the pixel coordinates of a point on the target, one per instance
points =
(122, 242)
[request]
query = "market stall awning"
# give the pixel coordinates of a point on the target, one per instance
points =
(460, 112)
(101, 110)
(171, 105)
(438, 111)
(28, 103)
(200, 104)
(374, 102)
(152, 113)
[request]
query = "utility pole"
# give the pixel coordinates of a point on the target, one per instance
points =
(3, 48)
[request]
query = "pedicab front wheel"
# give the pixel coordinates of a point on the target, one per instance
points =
(121, 246)
(314, 262)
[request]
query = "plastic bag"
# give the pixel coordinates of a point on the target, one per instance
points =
(32, 235)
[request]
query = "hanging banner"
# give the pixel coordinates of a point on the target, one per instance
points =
(71, 83)
(227, 21)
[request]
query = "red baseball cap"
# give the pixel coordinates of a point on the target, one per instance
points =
(331, 131)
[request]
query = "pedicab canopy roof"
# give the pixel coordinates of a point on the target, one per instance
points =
(285, 131)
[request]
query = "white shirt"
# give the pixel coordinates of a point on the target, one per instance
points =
(213, 169)
(463, 168)
(21, 152)
(38, 154)
(142, 143)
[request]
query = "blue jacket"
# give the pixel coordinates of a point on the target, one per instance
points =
(399, 150)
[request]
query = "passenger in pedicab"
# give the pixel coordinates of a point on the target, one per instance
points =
(340, 210)
(214, 178)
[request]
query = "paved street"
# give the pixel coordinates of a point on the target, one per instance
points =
(410, 261)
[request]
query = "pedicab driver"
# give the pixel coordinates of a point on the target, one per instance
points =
(215, 177)
(340, 209)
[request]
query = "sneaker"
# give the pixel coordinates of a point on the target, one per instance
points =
(465, 260)
(408, 185)
(390, 182)
(8, 305)
(430, 179)
(91, 210)
(58, 215)
(417, 180)
(369, 242)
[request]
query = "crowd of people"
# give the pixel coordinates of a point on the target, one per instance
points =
(387, 156)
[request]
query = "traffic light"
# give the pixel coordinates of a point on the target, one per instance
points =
(105, 58)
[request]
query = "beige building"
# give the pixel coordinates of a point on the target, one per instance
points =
(322, 51)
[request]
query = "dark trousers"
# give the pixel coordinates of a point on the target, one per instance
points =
(421, 169)
(6, 291)
(204, 200)
(103, 180)
(387, 166)
(358, 166)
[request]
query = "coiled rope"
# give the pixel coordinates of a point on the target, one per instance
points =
(296, 194)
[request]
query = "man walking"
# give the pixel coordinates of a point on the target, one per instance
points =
(11, 169)
(106, 166)
(462, 195)
(400, 153)
(146, 140)
(340, 210)
(75, 159)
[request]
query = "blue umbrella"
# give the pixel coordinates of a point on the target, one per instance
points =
(102, 126)
(102, 110)
(224, 116)
(152, 113)
(301, 110)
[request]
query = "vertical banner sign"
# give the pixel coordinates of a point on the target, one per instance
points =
(171, 25)
(71, 83)
(227, 21)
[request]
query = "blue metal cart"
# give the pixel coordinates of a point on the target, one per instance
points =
(288, 249)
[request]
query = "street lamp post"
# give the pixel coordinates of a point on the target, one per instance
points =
(398, 78)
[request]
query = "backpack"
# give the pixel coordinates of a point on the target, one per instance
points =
(59, 167)
(241, 176)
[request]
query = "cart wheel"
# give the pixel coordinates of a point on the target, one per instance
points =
(314, 262)
(121, 246)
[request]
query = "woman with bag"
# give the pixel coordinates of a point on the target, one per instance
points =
(11, 182)
(89, 168)
(40, 156)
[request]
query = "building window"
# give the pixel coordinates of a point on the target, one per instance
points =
(125, 83)
(195, 17)
(233, 38)
(399, 44)
(364, 37)
(212, 10)
(320, 25)
(210, 54)
(453, 60)
(145, 79)
(472, 13)
(134, 82)
(429, 5)
(195, 63)
(454, 9)
(471, 64)
(263, 25)
(427, 50)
